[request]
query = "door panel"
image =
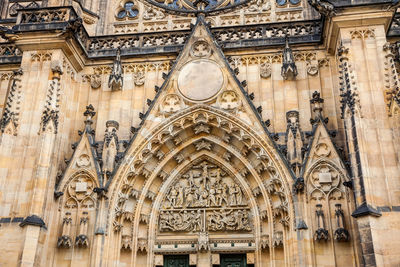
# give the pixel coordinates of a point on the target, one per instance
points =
(176, 261)
(233, 260)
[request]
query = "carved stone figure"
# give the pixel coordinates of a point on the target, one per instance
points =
(323, 7)
(110, 147)
(139, 78)
(116, 81)
(260, 6)
(312, 69)
(294, 141)
(152, 13)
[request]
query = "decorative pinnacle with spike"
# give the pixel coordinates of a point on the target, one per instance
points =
(289, 69)
(115, 82)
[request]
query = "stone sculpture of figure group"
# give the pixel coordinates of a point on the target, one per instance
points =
(181, 221)
(204, 193)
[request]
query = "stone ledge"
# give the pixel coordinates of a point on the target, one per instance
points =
(33, 220)
(366, 210)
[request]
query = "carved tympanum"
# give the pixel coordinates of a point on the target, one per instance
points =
(205, 198)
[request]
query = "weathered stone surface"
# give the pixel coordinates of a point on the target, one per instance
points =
(200, 144)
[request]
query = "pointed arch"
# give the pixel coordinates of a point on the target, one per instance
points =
(155, 160)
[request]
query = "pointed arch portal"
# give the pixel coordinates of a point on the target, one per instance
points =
(201, 177)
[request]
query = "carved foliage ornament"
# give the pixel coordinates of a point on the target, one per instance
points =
(171, 103)
(204, 198)
(229, 100)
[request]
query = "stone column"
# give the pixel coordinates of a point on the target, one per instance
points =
(368, 134)
(47, 134)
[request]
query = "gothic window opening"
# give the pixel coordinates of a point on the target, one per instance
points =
(129, 11)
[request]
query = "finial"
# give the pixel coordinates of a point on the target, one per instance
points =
(89, 114)
(289, 69)
(115, 82)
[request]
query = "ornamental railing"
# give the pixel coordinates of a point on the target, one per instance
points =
(9, 50)
(9, 53)
(46, 15)
(65, 19)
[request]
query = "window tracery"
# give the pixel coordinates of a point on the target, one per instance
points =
(128, 10)
(78, 205)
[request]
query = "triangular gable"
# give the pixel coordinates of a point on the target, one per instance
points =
(322, 148)
(83, 159)
(201, 75)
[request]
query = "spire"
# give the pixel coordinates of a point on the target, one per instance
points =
(289, 69)
(115, 82)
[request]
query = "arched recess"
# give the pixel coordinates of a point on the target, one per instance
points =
(76, 212)
(157, 159)
(329, 205)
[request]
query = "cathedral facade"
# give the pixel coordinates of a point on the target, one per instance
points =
(199, 133)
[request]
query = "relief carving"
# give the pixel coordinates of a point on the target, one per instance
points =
(312, 69)
(201, 48)
(229, 100)
(205, 198)
(139, 78)
(265, 70)
(171, 103)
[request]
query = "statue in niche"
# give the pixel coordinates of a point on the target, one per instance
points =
(204, 194)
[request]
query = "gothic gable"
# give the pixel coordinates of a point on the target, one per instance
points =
(84, 158)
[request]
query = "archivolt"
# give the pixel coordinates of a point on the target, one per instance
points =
(151, 166)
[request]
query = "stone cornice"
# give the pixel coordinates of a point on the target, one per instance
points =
(52, 26)
(61, 27)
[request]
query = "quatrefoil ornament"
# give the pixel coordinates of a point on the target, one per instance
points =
(201, 49)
